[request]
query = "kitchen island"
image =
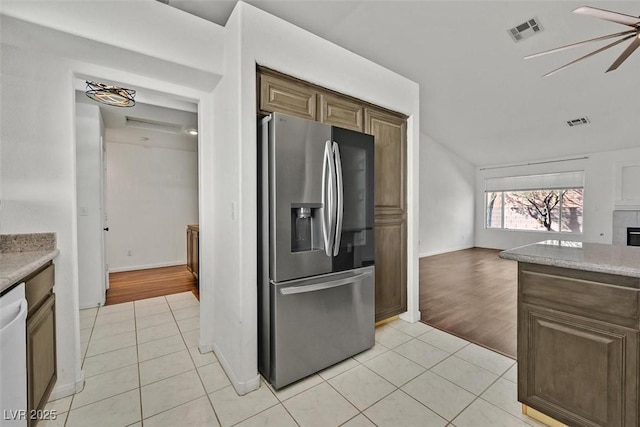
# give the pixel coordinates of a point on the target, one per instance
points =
(578, 331)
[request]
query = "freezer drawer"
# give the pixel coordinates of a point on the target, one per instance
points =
(320, 321)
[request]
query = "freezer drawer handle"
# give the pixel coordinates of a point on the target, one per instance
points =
(321, 286)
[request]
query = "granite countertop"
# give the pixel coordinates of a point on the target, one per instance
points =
(596, 257)
(22, 254)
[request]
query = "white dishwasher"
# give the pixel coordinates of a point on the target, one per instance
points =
(13, 358)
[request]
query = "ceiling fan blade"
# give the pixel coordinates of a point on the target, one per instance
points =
(627, 52)
(620, 18)
(569, 46)
(617, 42)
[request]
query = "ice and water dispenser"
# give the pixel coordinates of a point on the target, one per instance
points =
(306, 228)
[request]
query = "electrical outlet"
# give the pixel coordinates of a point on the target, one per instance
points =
(129, 253)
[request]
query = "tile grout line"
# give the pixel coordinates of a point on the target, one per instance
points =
(279, 402)
(422, 373)
(195, 369)
(437, 413)
(429, 370)
(138, 363)
(361, 412)
(135, 328)
(83, 357)
(477, 396)
(264, 410)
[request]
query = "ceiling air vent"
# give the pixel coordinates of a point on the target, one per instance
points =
(578, 122)
(525, 30)
(137, 122)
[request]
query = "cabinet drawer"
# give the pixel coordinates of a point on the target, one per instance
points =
(39, 287)
(592, 295)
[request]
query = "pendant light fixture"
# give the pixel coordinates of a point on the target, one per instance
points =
(110, 95)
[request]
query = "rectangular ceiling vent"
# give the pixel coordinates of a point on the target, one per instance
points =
(137, 122)
(578, 122)
(525, 30)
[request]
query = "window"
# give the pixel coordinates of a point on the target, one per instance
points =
(547, 208)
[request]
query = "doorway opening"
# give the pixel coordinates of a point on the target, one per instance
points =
(137, 195)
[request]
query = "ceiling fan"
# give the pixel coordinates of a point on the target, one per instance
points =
(620, 18)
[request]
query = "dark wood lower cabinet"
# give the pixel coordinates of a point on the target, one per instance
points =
(41, 339)
(391, 289)
(41, 355)
(193, 249)
(577, 362)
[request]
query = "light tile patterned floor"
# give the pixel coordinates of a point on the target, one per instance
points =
(142, 367)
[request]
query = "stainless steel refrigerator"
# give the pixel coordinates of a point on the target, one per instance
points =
(316, 246)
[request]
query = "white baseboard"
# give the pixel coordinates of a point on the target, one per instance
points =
(146, 266)
(64, 390)
(205, 348)
(444, 251)
(411, 317)
(242, 388)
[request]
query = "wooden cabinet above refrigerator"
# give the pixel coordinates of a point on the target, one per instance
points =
(285, 94)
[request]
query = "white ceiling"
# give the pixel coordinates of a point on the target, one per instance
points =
(179, 116)
(479, 97)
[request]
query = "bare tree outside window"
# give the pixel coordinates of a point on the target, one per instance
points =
(494, 209)
(544, 210)
(541, 205)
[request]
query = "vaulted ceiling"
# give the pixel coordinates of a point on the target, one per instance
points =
(479, 97)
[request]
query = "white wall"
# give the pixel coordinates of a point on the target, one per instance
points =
(152, 194)
(599, 195)
(143, 27)
(447, 199)
(229, 315)
(89, 131)
(38, 155)
(38, 181)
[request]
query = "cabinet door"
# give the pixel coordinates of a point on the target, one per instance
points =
(283, 96)
(41, 355)
(340, 112)
(391, 150)
(189, 250)
(579, 371)
(195, 253)
(391, 228)
(391, 267)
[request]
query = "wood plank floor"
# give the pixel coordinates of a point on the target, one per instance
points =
(140, 284)
(472, 294)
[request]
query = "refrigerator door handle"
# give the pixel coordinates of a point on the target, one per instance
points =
(321, 286)
(328, 208)
(340, 199)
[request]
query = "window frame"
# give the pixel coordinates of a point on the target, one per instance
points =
(560, 210)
